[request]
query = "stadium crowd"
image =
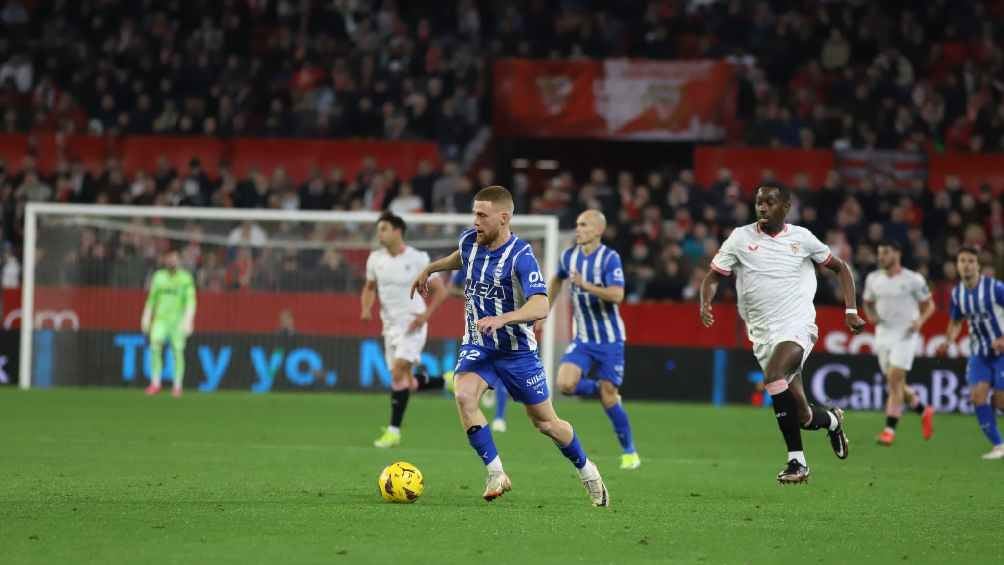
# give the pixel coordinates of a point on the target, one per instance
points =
(665, 225)
(911, 75)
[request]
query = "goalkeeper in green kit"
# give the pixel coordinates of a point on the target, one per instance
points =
(169, 316)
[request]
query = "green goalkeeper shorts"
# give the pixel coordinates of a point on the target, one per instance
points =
(167, 331)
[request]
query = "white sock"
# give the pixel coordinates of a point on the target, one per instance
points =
(889, 430)
(588, 471)
(495, 465)
(394, 430)
(797, 456)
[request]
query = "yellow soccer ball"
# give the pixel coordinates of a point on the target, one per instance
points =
(401, 482)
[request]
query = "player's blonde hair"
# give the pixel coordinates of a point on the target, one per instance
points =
(497, 195)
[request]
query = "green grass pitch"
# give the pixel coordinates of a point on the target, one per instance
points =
(110, 476)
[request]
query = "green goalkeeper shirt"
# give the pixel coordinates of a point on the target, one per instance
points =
(171, 295)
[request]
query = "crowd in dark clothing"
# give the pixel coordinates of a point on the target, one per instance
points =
(910, 75)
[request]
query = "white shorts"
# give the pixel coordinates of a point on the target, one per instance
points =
(804, 337)
(897, 353)
(399, 344)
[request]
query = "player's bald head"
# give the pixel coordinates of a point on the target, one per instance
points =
(589, 227)
(594, 217)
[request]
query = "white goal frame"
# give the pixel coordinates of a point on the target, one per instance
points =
(34, 209)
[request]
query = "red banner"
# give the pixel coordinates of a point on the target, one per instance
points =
(297, 156)
(614, 99)
(973, 170)
(337, 314)
(749, 166)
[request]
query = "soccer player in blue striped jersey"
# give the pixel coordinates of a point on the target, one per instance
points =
(979, 300)
(597, 278)
(456, 288)
(504, 294)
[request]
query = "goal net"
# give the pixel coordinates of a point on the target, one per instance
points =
(278, 296)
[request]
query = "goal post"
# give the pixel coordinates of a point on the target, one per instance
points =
(86, 269)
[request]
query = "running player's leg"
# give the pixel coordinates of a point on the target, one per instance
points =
(983, 379)
(468, 389)
(784, 361)
(178, 354)
(609, 362)
(814, 417)
(158, 335)
(547, 422)
(400, 391)
(575, 363)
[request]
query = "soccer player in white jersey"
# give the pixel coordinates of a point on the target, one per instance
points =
(898, 302)
(775, 285)
(597, 278)
(504, 294)
(389, 273)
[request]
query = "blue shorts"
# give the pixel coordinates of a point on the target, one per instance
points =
(605, 360)
(520, 372)
(986, 369)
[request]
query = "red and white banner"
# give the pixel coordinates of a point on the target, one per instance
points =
(614, 99)
(902, 168)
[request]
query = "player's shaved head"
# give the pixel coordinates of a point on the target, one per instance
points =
(499, 196)
(589, 228)
(596, 217)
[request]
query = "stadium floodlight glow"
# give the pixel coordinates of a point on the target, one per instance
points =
(50, 226)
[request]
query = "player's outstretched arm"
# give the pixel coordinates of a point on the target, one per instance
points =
(150, 305)
(927, 309)
(367, 298)
(613, 294)
(870, 311)
(190, 304)
(438, 296)
(535, 308)
(449, 263)
(851, 317)
(709, 287)
(554, 289)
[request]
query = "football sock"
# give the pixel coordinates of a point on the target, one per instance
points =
(573, 451)
(426, 381)
(398, 402)
(988, 423)
(156, 362)
(787, 419)
(178, 351)
(890, 423)
(797, 456)
(918, 406)
(822, 419)
(501, 399)
(622, 427)
(587, 387)
(480, 438)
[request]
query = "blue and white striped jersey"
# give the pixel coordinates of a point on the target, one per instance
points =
(596, 321)
(497, 282)
(983, 307)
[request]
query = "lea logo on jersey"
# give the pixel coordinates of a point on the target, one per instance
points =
(484, 290)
